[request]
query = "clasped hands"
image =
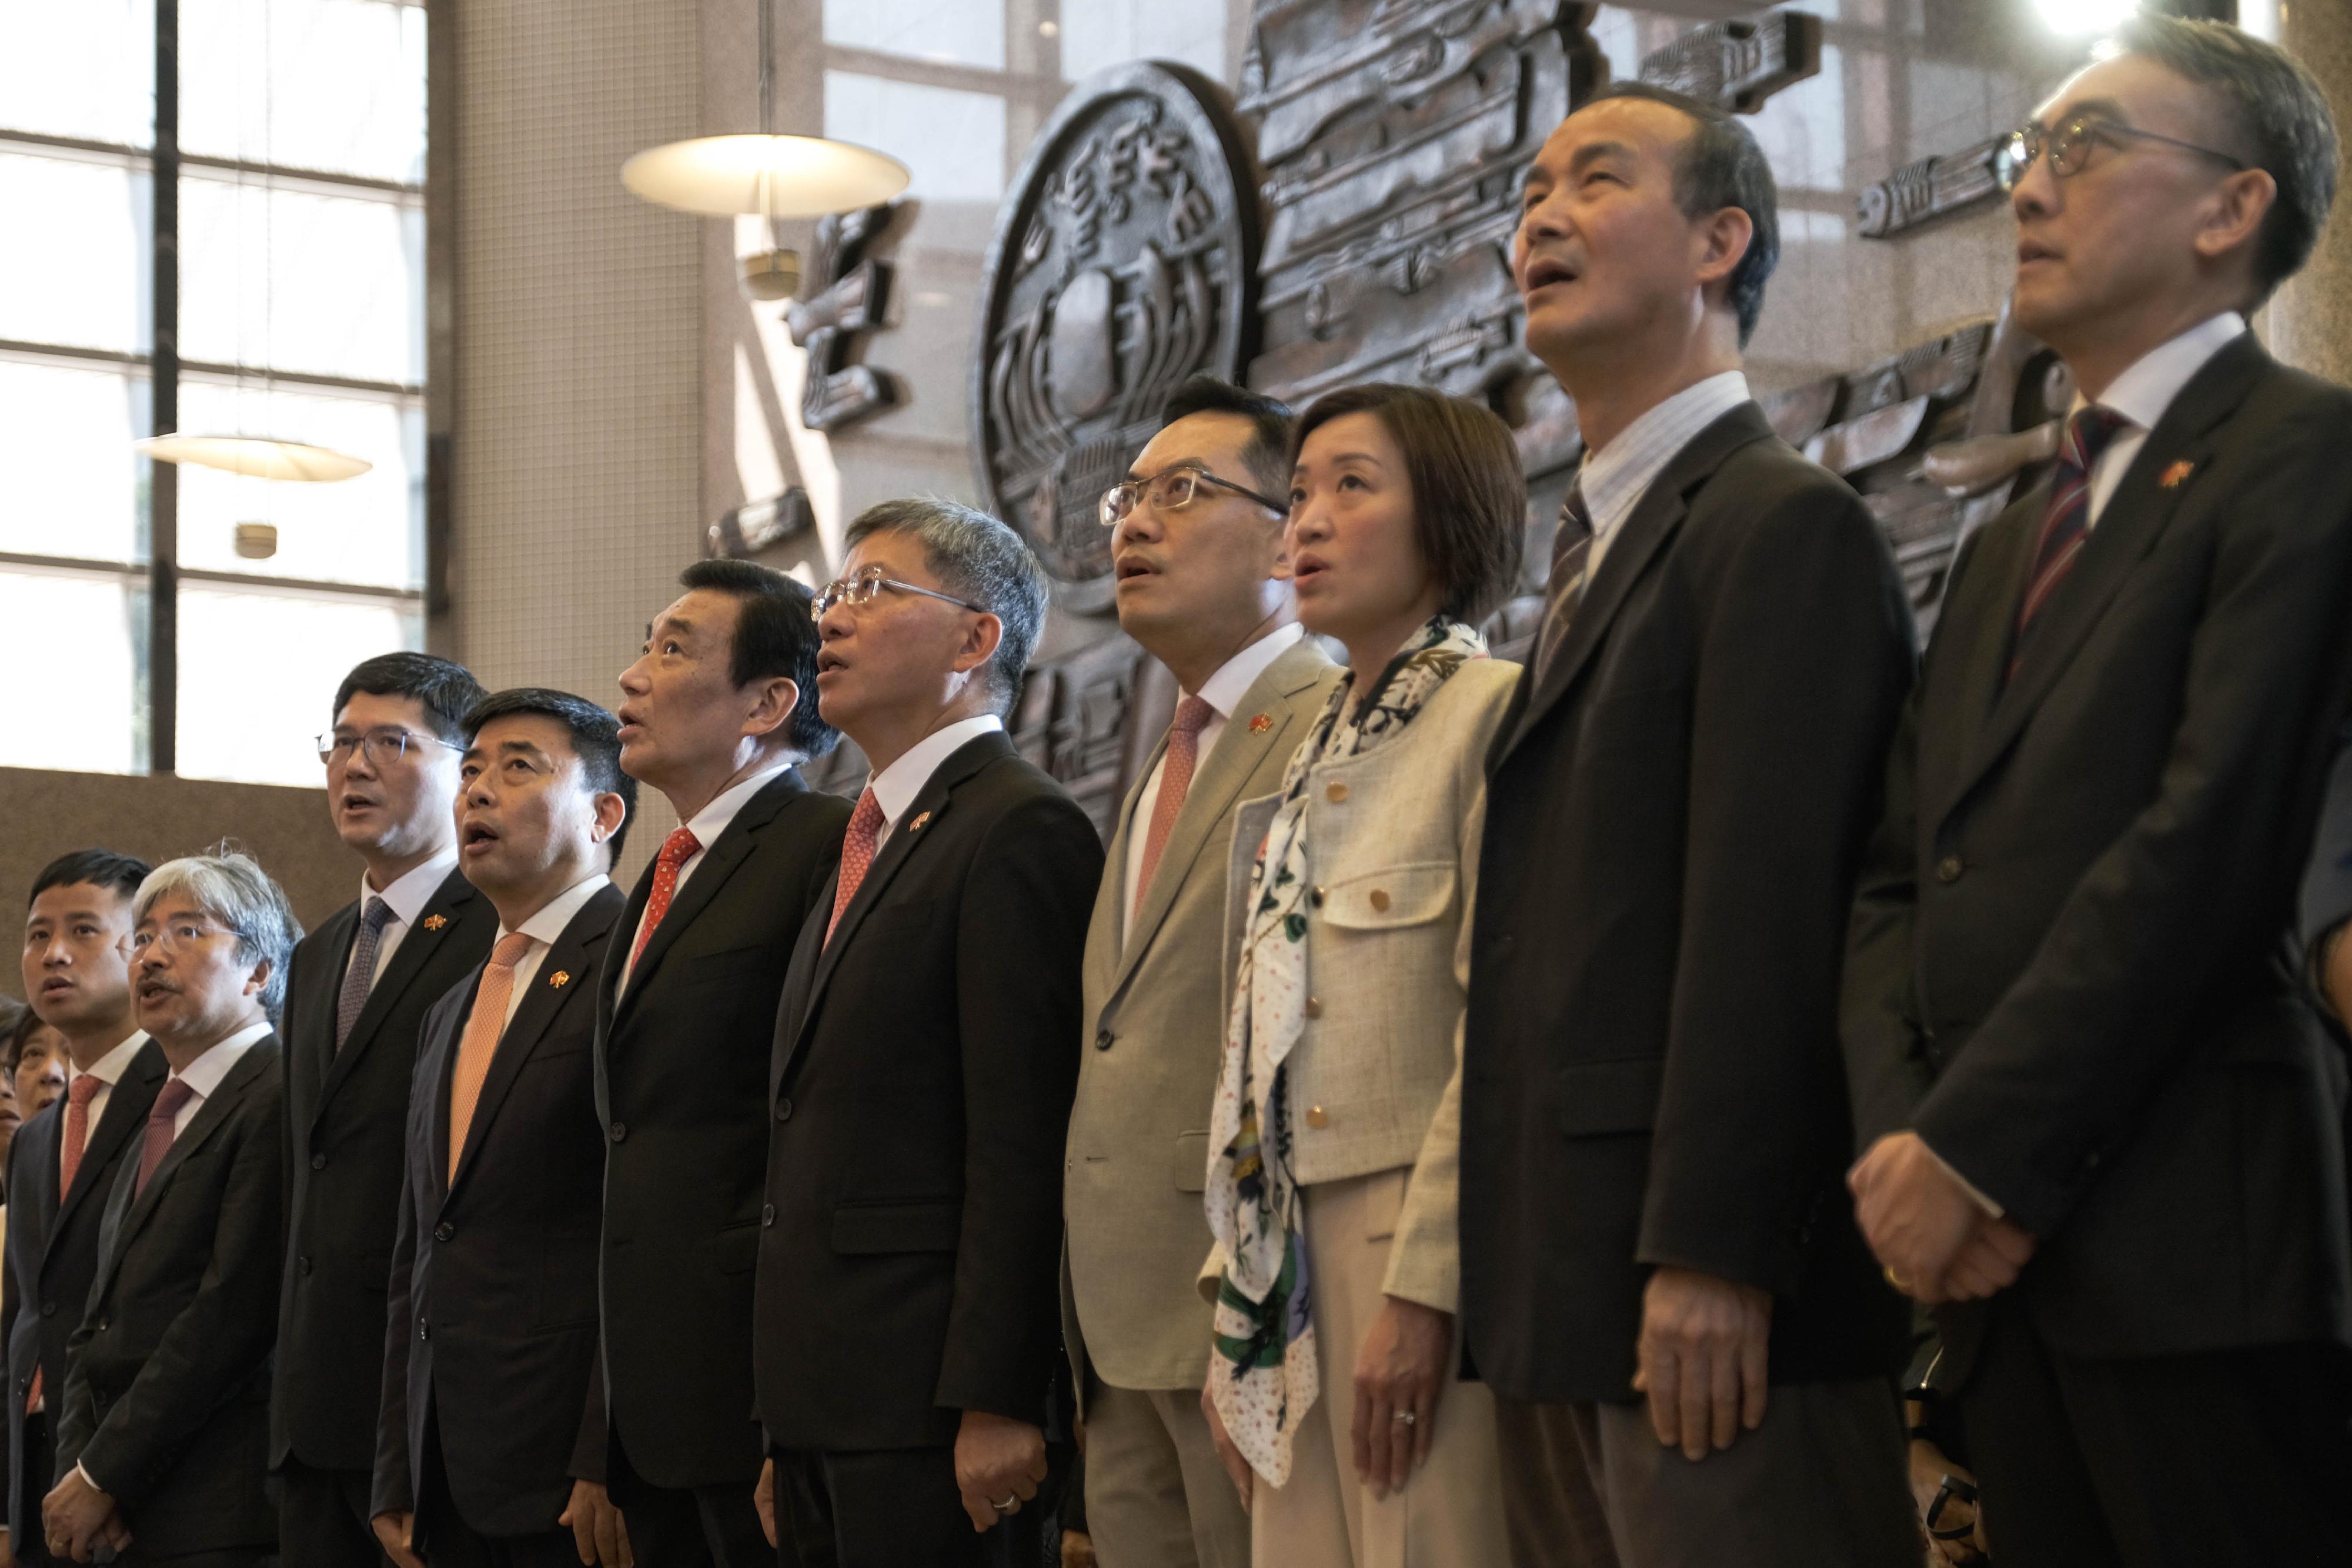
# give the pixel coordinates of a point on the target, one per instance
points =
(77, 1519)
(1936, 1242)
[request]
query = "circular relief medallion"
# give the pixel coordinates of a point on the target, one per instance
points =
(1124, 261)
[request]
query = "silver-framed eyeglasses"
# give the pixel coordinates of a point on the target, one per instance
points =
(1172, 489)
(383, 747)
(174, 934)
(2070, 143)
(862, 589)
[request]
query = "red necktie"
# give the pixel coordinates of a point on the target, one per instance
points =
(856, 853)
(480, 1041)
(159, 1133)
(1193, 716)
(78, 1094)
(2068, 522)
(675, 850)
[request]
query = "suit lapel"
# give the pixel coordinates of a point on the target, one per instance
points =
(719, 862)
(2129, 525)
(582, 939)
(210, 1117)
(446, 909)
(126, 1113)
(1654, 520)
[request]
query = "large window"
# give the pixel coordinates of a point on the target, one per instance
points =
(301, 246)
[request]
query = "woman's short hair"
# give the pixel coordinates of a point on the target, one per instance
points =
(230, 886)
(1469, 493)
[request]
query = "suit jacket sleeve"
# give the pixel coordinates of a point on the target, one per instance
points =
(2327, 884)
(1020, 944)
(394, 1491)
(1805, 654)
(223, 1332)
(590, 1447)
(8, 1305)
(2056, 1075)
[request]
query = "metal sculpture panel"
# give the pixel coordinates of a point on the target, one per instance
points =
(843, 297)
(1739, 64)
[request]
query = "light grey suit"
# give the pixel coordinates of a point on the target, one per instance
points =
(1155, 1006)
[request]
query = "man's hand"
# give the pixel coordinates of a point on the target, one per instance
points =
(1238, 1468)
(2335, 973)
(998, 1460)
(1915, 1215)
(1963, 1541)
(1078, 1550)
(78, 1518)
(764, 1499)
(1701, 1358)
(1990, 1260)
(396, 1532)
(8, 1549)
(1400, 1372)
(598, 1533)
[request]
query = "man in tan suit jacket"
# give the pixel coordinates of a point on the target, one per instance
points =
(1199, 523)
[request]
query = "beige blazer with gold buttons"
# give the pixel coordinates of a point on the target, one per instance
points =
(1392, 840)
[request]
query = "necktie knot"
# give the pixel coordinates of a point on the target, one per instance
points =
(510, 950)
(678, 848)
(376, 916)
(1193, 716)
(2089, 431)
(84, 1089)
(857, 847)
(169, 1100)
(1575, 522)
(866, 821)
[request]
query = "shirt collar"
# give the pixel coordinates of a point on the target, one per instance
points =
(712, 819)
(108, 1069)
(545, 926)
(204, 1073)
(2145, 391)
(1224, 690)
(896, 787)
(410, 893)
(1616, 477)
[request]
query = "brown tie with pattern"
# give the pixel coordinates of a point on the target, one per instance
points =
(1193, 716)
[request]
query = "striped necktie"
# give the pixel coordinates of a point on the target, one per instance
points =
(2068, 522)
(359, 979)
(1571, 550)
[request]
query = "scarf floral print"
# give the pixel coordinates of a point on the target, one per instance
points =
(1264, 1378)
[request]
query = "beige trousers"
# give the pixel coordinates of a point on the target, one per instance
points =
(1450, 1514)
(1157, 1496)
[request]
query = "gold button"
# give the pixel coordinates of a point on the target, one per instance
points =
(1336, 793)
(1317, 1117)
(1380, 899)
(1314, 1007)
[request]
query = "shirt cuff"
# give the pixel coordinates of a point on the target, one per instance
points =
(87, 1479)
(1977, 1197)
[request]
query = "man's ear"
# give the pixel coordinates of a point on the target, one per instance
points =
(1724, 238)
(611, 811)
(979, 642)
(778, 696)
(2233, 216)
(258, 981)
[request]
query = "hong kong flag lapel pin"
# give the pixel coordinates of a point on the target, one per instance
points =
(1261, 723)
(434, 922)
(2178, 474)
(560, 978)
(917, 825)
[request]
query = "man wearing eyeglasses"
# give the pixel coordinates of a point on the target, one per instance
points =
(2103, 1128)
(919, 1088)
(1196, 531)
(357, 992)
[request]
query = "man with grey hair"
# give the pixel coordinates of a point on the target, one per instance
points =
(163, 1442)
(906, 1309)
(2103, 1126)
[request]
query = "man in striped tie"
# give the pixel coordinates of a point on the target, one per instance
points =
(2103, 1126)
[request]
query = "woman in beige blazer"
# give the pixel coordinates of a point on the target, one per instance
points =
(1334, 1135)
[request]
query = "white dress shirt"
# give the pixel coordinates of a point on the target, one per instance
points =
(408, 895)
(1617, 476)
(706, 825)
(896, 787)
(2144, 392)
(108, 1070)
(1222, 691)
(204, 1073)
(543, 928)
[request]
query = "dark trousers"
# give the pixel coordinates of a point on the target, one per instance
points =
(696, 1527)
(885, 1510)
(446, 1540)
(253, 1557)
(2226, 1458)
(1822, 1483)
(39, 1463)
(323, 1517)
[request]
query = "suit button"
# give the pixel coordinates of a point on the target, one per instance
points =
(767, 1215)
(1336, 793)
(302, 1263)
(318, 1162)
(1103, 1039)
(1948, 868)
(784, 1109)
(444, 1231)
(1314, 1007)
(424, 1329)
(620, 1131)
(1317, 1117)
(49, 1308)
(1380, 900)
(1316, 898)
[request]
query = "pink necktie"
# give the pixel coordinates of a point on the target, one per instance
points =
(480, 1041)
(675, 850)
(1193, 716)
(157, 1140)
(78, 1094)
(856, 854)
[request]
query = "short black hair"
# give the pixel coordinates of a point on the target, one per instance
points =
(1722, 166)
(18, 1034)
(2282, 117)
(595, 740)
(1271, 424)
(445, 689)
(774, 635)
(100, 868)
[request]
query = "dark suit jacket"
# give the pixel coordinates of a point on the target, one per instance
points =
(53, 1256)
(167, 1393)
(346, 1114)
(681, 1083)
(1675, 817)
(2072, 967)
(924, 1065)
(490, 1324)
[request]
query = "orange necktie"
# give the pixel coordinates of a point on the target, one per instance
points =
(856, 854)
(675, 850)
(480, 1041)
(1193, 716)
(78, 1094)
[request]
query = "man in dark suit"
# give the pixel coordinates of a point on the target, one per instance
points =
(78, 972)
(717, 713)
(1655, 1120)
(489, 1452)
(163, 1437)
(2104, 1130)
(356, 997)
(925, 1057)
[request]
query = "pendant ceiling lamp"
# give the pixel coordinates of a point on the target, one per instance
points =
(257, 456)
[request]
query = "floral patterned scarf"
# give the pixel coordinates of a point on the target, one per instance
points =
(1263, 1376)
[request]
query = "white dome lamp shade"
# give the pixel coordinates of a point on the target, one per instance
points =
(256, 458)
(764, 176)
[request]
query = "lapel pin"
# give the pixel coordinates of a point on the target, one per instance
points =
(434, 922)
(2178, 472)
(560, 977)
(1260, 723)
(917, 825)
